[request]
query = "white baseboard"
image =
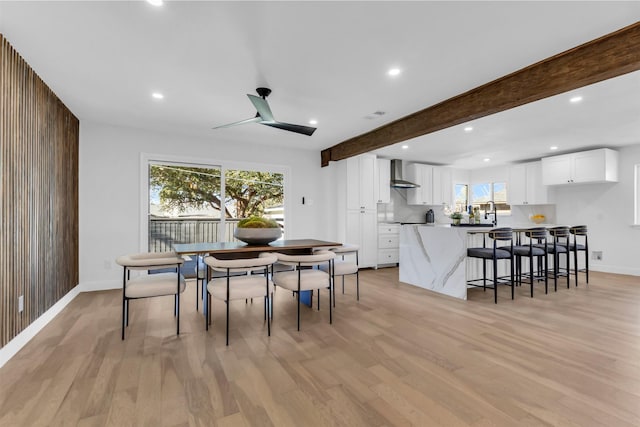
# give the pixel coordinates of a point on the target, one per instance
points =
(102, 285)
(615, 269)
(20, 340)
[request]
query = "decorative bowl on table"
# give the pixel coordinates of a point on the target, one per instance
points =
(257, 231)
(537, 218)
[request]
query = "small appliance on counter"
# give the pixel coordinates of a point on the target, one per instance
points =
(430, 217)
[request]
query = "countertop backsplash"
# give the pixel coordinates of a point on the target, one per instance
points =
(399, 211)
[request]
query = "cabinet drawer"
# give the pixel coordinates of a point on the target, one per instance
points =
(388, 228)
(388, 256)
(386, 241)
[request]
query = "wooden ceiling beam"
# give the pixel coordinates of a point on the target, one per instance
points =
(609, 56)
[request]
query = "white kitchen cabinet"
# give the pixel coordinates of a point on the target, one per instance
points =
(436, 185)
(361, 182)
(442, 186)
(383, 188)
(423, 176)
(361, 230)
(388, 244)
(582, 167)
(525, 185)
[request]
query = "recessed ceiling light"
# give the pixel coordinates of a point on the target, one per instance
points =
(553, 147)
(157, 95)
(404, 147)
(155, 2)
(468, 129)
(393, 72)
(313, 122)
(486, 159)
(575, 99)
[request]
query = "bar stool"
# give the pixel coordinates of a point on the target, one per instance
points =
(575, 247)
(504, 234)
(560, 244)
(531, 251)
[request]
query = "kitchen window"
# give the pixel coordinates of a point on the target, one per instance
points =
(483, 193)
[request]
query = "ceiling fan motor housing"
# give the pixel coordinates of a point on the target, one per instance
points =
(263, 91)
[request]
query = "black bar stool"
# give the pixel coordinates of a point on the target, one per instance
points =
(575, 247)
(558, 245)
(504, 234)
(536, 236)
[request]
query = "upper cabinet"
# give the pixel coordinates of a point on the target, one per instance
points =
(526, 186)
(422, 175)
(442, 186)
(586, 166)
(361, 182)
(383, 187)
(436, 184)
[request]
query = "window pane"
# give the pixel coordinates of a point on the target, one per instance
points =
(480, 193)
(461, 198)
(184, 205)
(251, 193)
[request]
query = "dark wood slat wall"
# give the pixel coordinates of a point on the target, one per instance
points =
(39, 187)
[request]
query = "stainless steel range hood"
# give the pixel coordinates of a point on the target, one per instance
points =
(396, 176)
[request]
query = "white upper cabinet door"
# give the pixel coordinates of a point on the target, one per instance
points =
(442, 186)
(384, 181)
(361, 181)
(517, 191)
(557, 170)
(537, 193)
(525, 185)
(595, 166)
(423, 176)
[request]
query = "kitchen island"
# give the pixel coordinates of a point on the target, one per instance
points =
(435, 257)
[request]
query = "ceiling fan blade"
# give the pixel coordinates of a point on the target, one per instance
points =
(262, 106)
(305, 130)
(256, 119)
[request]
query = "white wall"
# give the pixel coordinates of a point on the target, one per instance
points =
(110, 190)
(608, 211)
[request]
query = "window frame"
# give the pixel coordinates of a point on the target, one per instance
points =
(150, 158)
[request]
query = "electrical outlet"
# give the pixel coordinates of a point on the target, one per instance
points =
(596, 255)
(20, 303)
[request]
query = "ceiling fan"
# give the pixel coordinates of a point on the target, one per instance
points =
(264, 116)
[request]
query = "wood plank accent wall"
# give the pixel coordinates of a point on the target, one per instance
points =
(39, 195)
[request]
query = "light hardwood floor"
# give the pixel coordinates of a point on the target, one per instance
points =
(401, 356)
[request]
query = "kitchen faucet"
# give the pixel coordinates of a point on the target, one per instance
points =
(492, 207)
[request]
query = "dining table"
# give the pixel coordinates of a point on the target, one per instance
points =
(235, 250)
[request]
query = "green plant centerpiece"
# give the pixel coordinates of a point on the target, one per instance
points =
(456, 217)
(257, 231)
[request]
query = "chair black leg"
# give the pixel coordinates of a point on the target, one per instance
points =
(266, 304)
(124, 313)
(575, 261)
(197, 291)
(227, 302)
(358, 285)
(484, 275)
(319, 297)
(568, 268)
(342, 284)
(531, 273)
(495, 280)
(513, 285)
(298, 308)
(546, 275)
(178, 315)
(330, 311)
(586, 260)
(207, 310)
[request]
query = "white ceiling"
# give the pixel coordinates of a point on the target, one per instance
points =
(327, 61)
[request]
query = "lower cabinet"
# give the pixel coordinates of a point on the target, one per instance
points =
(388, 244)
(361, 229)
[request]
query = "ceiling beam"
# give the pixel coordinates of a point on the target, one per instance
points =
(609, 56)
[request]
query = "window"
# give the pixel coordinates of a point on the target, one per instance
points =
(483, 193)
(190, 203)
(461, 200)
